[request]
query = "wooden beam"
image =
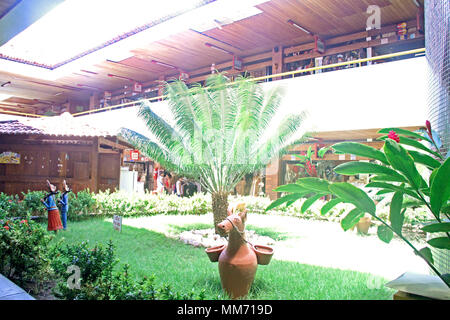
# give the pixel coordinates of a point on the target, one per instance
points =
(103, 150)
(49, 147)
(112, 144)
(277, 61)
(94, 155)
(37, 179)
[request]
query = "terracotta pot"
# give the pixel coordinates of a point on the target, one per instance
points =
(237, 268)
(214, 252)
(263, 254)
(364, 225)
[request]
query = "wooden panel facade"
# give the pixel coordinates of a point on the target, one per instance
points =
(81, 165)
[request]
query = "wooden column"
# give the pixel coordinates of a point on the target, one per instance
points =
(63, 164)
(94, 101)
(277, 61)
(272, 178)
(94, 166)
(161, 87)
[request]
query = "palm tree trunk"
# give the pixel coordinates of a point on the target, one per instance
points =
(219, 207)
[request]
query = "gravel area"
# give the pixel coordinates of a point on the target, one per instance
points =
(208, 238)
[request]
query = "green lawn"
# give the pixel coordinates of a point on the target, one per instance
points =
(185, 267)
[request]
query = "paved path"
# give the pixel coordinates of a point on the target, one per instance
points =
(10, 291)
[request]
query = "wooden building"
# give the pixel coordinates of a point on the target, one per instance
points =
(285, 170)
(277, 36)
(58, 148)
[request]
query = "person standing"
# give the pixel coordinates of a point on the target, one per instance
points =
(54, 220)
(160, 182)
(155, 178)
(64, 201)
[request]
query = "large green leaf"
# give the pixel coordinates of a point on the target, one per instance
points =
(330, 205)
(301, 157)
(350, 193)
(427, 254)
(314, 184)
(404, 132)
(310, 201)
(432, 175)
(437, 227)
(384, 185)
(361, 150)
(322, 152)
(446, 208)
(396, 216)
(440, 243)
(353, 168)
(400, 160)
(412, 203)
(424, 159)
(384, 233)
(351, 219)
(293, 187)
(413, 143)
(280, 201)
(440, 189)
(383, 191)
(388, 178)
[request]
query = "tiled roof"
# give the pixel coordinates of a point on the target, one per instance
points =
(63, 125)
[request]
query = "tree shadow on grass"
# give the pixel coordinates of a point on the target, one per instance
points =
(189, 227)
(269, 232)
(261, 231)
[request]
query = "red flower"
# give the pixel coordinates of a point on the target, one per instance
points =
(394, 136)
(24, 221)
(430, 133)
(6, 227)
(428, 125)
(311, 169)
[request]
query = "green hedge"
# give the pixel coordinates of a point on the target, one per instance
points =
(85, 204)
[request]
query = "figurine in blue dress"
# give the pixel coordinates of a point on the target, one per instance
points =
(54, 220)
(64, 202)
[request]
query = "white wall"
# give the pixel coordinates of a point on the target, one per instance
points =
(377, 96)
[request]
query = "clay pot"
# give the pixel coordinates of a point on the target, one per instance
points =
(263, 254)
(237, 269)
(214, 252)
(364, 225)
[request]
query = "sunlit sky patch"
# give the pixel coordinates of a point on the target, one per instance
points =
(76, 26)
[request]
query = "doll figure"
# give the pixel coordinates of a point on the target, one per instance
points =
(64, 202)
(54, 220)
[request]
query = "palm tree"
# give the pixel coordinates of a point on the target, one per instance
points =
(218, 135)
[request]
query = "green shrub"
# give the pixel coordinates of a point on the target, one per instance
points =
(32, 204)
(24, 251)
(10, 205)
(126, 204)
(85, 204)
(81, 204)
(99, 281)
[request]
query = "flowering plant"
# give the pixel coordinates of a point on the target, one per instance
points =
(24, 251)
(395, 171)
(310, 168)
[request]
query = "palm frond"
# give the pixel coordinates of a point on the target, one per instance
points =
(220, 131)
